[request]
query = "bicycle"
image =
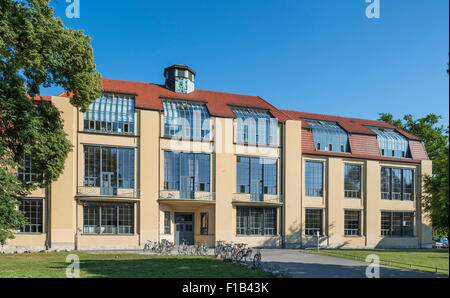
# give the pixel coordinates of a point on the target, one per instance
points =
(183, 249)
(218, 248)
(244, 254)
(151, 246)
(257, 258)
(167, 247)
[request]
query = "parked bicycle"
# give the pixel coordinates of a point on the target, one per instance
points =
(183, 248)
(151, 246)
(200, 249)
(244, 254)
(166, 247)
(257, 258)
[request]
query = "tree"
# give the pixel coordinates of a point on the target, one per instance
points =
(436, 141)
(37, 50)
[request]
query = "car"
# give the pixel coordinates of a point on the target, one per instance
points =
(440, 243)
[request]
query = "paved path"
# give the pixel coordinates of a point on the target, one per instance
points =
(295, 263)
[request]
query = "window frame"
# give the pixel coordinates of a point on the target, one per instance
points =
(402, 195)
(347, 192)
(111, 216)
(267, 175)
(118, 169)
(401, 233)
(314, 191)
(103, 108)
(38, 220)
(349, 227)
(181, 120)
(167, 223)
(26, 174)
(256, 221)
(311, 223)
(173, 161)
(204, 223)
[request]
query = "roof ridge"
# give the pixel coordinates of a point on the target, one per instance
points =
(343, 117)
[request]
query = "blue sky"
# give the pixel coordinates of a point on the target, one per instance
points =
(319, 56)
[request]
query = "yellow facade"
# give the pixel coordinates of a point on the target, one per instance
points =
(63, 201)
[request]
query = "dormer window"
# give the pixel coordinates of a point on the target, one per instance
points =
(392, 143)
(256, 127)
(329, 133)
(186, 120)
(111, 113)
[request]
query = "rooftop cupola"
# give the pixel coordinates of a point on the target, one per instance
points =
(180, 78)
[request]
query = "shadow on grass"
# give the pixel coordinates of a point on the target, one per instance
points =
(163, 267)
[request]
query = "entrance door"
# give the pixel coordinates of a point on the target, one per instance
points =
(108, 184)
(184, 228)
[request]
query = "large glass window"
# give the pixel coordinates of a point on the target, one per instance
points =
(352, 181)
(256, 221)
(108, 218)
(187, 172)
(256, 176)
(329, 137)
(111, 113)
(313, 221)
(108, 167)
(314, 178)
(398, 224)
(256, 127)
(397, 184)
(186, 120)
(391, 143)
(352, 223)
(32, 210)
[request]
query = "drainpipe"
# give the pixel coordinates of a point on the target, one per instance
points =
(48, 217)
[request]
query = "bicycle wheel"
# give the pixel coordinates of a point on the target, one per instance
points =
(239, 256)
(257, 260)
(248, 255)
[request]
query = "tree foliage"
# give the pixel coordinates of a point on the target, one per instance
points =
(436, 141)
(36, 50)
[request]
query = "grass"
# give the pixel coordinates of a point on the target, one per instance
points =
(125, 265)
(429, 258)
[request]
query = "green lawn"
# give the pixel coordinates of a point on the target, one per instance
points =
(431, 258)
(53, 264)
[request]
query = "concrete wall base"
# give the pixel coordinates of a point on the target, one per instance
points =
(89, 247)
(20, 249)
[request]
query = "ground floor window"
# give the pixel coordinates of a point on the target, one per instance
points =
(108, 218)
(167, 222)
(397, 223)
(204, 223)
(256, 221)
(32, 210)
(313, 221)
(352, 223)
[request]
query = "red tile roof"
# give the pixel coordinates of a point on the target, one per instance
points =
(363, 141)
(351, 125)
(149, 96)
(418, 150)
(364, 145)
(41, 97)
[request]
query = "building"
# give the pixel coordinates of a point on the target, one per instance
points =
(154, 162)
